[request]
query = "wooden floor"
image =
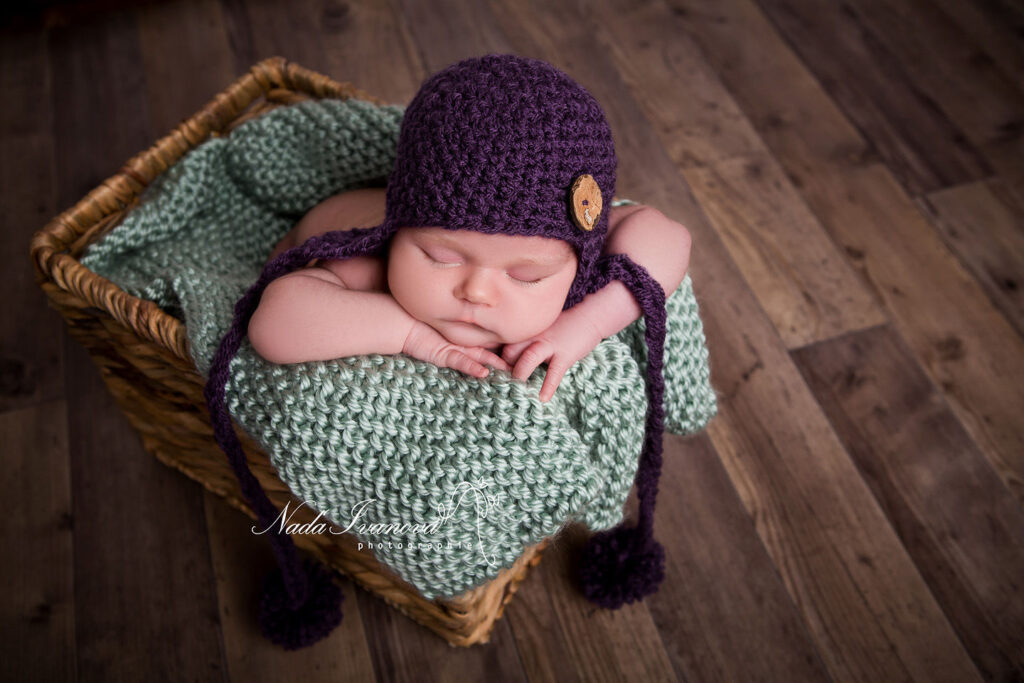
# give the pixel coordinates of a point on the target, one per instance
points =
(853, 178)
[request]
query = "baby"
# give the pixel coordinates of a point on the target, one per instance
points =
(456, 298)
(492, 245)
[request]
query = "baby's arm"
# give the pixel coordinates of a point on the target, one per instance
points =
(338, 308)
(652, 240)
(362, 208)
(311, 314)
(649, 238)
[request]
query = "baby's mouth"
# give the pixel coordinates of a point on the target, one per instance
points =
(468, 324)
(466, 320)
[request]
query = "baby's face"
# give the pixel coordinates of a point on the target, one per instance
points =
(478, 289)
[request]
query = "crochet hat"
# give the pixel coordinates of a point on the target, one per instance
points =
(496, 144)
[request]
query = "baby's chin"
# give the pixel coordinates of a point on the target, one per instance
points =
(464, 335)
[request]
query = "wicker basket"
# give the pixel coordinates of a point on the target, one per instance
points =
(142, 353)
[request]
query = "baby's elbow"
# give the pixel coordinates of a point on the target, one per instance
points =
(672, 234)
(264, 338)
(685, 244)
(268, 334)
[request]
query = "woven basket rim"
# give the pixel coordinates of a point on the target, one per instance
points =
(53, 247)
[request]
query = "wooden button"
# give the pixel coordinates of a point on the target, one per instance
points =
(586, 202)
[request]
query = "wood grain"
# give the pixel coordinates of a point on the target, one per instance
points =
(402, 650)
(875, 92)
(37, 620)
(370, 45)
(987, 234)
(956, 519)
(956, 75)
(963, 343)
(947, 64)
(240, 562)
(30, 349)
(145, 600)
(995, 24)
(137, 614)
(186, 58)
(723, 611)
(797, 273)
(603, 645)
(800, 277)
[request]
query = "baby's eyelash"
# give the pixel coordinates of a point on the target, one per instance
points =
(445, 264)
(526, 283)
(436, 262)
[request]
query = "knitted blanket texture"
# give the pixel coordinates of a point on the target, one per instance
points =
(445, 477)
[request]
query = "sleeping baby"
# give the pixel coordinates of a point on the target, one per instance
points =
(456, 298)
(494, 244)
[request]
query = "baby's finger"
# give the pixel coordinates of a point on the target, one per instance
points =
(537, 353)
(511, 351)
(482, 355)
(458, 360)
(556, 371)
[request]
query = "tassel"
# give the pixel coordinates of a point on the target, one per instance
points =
(299, 604)
(300, 623)
(625, 564)
(620, 565)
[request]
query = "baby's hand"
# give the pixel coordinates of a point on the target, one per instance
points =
(571, 337)
(426, 343)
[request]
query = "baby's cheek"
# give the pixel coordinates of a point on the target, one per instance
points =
(533, 316)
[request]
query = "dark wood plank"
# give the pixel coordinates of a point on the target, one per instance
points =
(801, 278)
(600, 645)
(963, 528)
(445, 32)
(956, 75)
(723, 611)
(186, 58)
(403, 650)
(532, 616)
(138, 613)
(292, 33)
(241, 560)
(239, 30)
(369, 45)
(946, 64)
(30, 360)
(924, 149)
(37, 616)
(995, 24)
(799, 275)
(987, 233)
(962, 342)
(145, 601)
(95, 63)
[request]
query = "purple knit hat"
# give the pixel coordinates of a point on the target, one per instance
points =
(496, 144)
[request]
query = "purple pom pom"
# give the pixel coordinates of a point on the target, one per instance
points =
(294, 628)
(619, 566)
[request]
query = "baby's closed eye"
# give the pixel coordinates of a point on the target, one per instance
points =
(443, 258)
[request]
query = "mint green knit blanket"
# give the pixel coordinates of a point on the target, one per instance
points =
(446, 478)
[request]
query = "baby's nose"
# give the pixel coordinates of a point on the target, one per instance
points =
(477, 286)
